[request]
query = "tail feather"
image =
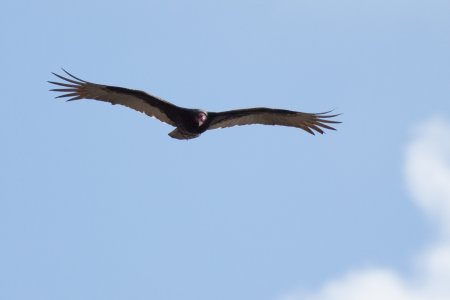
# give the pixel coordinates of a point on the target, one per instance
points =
(180, 134)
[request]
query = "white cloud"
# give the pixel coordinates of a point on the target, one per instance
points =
(427, 172)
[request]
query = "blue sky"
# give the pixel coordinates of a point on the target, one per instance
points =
(97, 202)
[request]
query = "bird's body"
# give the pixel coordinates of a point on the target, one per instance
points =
(189, 123)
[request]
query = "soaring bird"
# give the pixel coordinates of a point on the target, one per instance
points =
(189, 123)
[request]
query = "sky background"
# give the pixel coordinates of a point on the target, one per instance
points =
(97, 202)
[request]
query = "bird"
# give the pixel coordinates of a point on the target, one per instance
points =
(189, 123)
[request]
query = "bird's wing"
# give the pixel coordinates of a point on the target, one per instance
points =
(309, 122)
(76, 89)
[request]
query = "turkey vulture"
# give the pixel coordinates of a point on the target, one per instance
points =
(189, 123)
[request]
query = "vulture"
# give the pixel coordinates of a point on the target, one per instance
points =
(189, 123)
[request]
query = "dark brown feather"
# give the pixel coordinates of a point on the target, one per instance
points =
(268, 116)
(137, 100)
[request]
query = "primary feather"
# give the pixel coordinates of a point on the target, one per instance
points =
(150, 105)
(268, 116)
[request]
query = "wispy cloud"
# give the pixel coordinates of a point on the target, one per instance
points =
(427, 172)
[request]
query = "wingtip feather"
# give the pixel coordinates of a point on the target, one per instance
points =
(73, 76)
(74, 98)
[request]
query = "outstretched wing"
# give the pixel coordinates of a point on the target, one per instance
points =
(77, 89)
(267, 116)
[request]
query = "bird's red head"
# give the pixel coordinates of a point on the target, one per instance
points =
(200, 118)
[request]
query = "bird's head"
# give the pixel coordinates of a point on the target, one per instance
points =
(200, 118)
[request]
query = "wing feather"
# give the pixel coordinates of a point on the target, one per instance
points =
(310, 122)
(138, 100)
